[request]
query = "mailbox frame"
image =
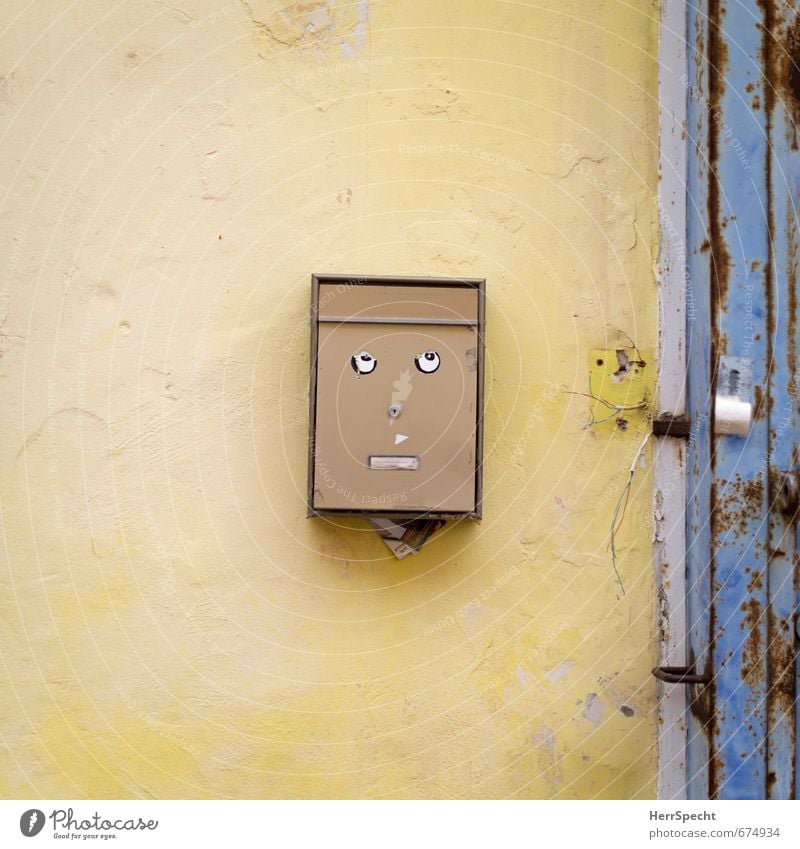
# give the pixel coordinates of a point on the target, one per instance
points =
(385, 280)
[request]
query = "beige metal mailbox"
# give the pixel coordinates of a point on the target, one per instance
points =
(396, 396)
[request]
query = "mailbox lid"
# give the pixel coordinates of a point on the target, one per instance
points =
(428, 303)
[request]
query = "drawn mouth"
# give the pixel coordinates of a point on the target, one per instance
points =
(399, 462)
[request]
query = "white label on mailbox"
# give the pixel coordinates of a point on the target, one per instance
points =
(404, 462)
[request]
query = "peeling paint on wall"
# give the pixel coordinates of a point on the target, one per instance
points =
(314, 25)
(594, 709)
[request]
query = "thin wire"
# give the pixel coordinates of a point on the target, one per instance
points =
(634, 346)
(615, 408)
(595, 421)
(615, 525)
(621, 506)
(594, 397)
(624, 508)
(611, 406)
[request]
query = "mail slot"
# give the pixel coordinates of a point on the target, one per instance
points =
(396, 396)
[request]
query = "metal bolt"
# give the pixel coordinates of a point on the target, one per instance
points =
(394, 410)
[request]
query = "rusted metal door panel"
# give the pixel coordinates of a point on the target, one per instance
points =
(781, 58)
(742, 189)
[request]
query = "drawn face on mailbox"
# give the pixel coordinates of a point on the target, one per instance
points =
(396, 415)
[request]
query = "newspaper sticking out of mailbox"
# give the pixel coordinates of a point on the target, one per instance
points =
(404, 538)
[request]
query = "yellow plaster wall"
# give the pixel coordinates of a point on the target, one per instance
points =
(172, 624)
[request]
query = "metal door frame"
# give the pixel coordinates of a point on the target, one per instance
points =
(669, 456)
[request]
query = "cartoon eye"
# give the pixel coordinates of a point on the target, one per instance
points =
(363, 363)
(427, 362)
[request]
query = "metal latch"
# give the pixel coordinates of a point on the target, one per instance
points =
(680, 675)
(668, 424)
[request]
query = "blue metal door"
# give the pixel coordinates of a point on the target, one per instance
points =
(743, 240)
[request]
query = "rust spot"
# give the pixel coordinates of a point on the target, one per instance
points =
(735, 503)
(717, 56)
(753, 490)
(755, 583)
(759, 410)
(796, 562)
(768, 35)
(791, 283)
(790, 75)
(771, 75)
(780, 57)
(702, 705)
(699, 52)
(702, 700)
(781, 654)
(753, 650)
(781, 690)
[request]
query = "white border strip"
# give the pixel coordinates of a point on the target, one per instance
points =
(355, 824)
(669, 463)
